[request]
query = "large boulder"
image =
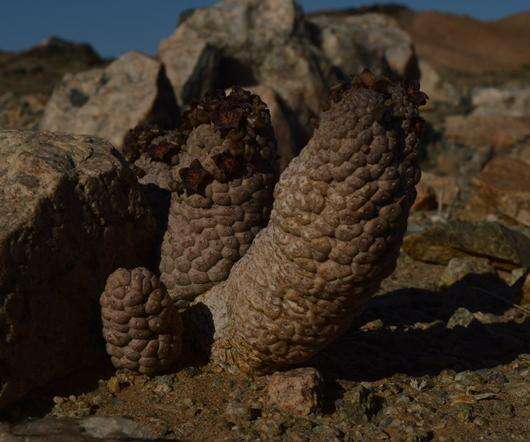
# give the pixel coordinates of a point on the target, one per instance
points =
(247, 42)
(373, 41)
(108, 102)
(71, 213)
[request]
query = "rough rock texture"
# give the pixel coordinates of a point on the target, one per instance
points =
(76, 430)
(436, 191)
(297, 391)
(506, 248)
(223, 180)
(438, 90)
(258, 42)
(339, 216)
(507, 101)
(500, 131)
(504, 185)
(191, 65)
(108, 102)
(373, 41)
(458, 268)
(71, 213)
(141, 326)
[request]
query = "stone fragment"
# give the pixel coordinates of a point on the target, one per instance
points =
(504, 186)
(66, 429)
(441, 242)
(107, 102)
(461, 317)
(459, 268)
(297, 391)
(71, 212)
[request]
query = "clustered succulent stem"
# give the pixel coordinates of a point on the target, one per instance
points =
(339, 216)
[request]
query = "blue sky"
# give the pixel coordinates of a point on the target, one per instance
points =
(117, 26)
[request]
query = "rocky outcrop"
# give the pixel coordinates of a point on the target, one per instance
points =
(108, 102)
(71, 213)
(247, 43)
(373, 41)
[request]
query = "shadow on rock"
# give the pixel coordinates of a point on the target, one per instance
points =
(421, 332)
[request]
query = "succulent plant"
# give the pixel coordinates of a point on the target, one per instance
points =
(141, 325)
(340, 212)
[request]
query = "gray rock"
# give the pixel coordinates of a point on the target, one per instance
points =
(247, 42)
(71, 430)
(108, 102)
(112, 427)
(509, 100)
(373, 41)
(71, 212)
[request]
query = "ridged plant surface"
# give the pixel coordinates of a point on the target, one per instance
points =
(338, 220)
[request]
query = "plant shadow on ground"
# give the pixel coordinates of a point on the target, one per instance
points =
(414, 348)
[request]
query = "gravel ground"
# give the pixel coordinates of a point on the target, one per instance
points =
(420, 364)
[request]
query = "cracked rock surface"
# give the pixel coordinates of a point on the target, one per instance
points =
(70, 213)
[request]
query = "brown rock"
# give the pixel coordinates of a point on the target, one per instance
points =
(296, 391)
(70, 212)
(435, 191)
(425, 198)
(441, 242)
(108, 102)
(499, 131)
(504, 185)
